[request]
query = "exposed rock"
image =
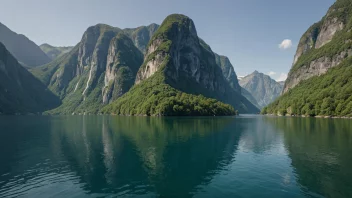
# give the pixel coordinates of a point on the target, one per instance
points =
(123, 62)
(187, 57)
(99, 69)
(141, 35)
(316, 43)
(228, 71)
(327, 31)
(315, 68)
(264, 89)
(189, 64)
(307, 41)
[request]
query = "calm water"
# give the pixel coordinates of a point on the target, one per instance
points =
(106, 156)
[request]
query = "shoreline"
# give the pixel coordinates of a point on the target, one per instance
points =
(305, 116)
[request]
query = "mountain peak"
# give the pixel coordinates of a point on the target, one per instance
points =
(263, 88)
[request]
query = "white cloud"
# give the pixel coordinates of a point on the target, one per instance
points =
(271, 73)
(282, 77)
(285, 44)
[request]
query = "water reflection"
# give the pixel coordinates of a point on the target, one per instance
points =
(102, 156)
(115, 155)
(320, 150)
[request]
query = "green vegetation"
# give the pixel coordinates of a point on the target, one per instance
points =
(341, 10)
(154, 97)
(326, 95)
(54, 52)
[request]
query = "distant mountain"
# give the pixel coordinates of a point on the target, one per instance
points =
(179, 67)
(23, 49)
(54, 52)
(141, 35)
(20, 91)
(264, 89)
(250, 97)
(320, 80)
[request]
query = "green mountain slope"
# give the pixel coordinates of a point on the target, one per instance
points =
(324, 45)
(20, 91)
(23, 49)
(178, 69)
(319, 83)
(326, 95)
(99, 69)
(54, 52)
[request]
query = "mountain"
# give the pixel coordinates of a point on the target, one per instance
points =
(250, 97)
(320, 80)
(323, 46)
(54, 52)
(23, 49)
(99, 69)
(179, 76)
(228, 71)
(20, 91)
(79, 77)
(264, 89)
(141, 35)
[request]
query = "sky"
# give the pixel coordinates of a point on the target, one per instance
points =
(257, 35)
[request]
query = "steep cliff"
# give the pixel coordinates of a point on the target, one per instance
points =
(123, 62)
(228, 71)
(20, 91)
(319, 83)
(100, 68)
(176, 61)
(325, 45)
(141, 35)
(264, 89)
(23, 49)
(54, 52)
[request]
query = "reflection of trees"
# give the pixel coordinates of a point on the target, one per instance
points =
(131, 155)
(320, 150)
(180, 153)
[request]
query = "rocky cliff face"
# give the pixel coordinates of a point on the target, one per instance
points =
(23, 49)
(178, 49)
(325, 45)
(315, 68)
(20, 91)
(96, 71)
(141, 35)
(123, 62)
(228, 71)
(319, 83)
(264, 89)
(109, 61)
(189, 65)
(53, 52)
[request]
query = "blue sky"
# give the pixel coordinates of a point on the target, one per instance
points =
(247, 31)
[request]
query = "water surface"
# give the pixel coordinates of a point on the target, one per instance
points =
(111, 156)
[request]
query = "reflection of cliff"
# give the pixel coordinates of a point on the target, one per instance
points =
(105, 161)
(180, 152)
(103, 155)
(320, 150)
